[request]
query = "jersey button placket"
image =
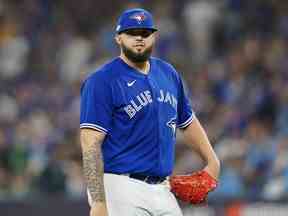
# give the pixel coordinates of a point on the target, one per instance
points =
(153, 89)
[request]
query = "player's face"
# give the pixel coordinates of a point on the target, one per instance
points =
(137, 44)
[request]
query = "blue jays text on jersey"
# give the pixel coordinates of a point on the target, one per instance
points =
(144, 98)
(139, 114)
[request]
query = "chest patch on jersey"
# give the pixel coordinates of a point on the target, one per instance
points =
(144, 98)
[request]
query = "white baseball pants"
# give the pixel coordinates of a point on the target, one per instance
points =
(131, 197)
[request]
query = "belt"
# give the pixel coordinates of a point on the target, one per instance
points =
(148, 179)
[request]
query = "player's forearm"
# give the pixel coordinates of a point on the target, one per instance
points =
(196, 137)
(93, 166)
(93, 172)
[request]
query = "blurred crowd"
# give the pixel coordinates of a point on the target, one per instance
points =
(233, 55)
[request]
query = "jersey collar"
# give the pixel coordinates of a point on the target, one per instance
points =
(134, 72)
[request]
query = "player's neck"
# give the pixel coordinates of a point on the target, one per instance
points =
(143, 67)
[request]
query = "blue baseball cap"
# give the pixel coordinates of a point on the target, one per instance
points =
(134, 19)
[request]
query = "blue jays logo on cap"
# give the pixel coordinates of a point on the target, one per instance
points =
(139, 17)
(134, 19)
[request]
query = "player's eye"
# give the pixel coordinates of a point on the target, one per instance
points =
(136, 32)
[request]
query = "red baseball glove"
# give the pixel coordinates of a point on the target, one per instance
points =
(192, 188)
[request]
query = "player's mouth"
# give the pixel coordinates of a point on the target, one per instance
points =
(139, 45)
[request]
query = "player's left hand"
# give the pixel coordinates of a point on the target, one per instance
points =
(193, 188)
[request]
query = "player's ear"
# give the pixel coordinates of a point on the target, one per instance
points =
(156, 34)
(117, 39)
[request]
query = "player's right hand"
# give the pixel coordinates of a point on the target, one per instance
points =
(99, 209)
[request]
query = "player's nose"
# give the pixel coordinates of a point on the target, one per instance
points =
(139, 38)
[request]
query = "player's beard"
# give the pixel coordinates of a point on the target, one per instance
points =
(137, 57)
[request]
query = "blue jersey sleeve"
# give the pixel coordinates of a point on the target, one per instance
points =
(96, 105)
(184, 109)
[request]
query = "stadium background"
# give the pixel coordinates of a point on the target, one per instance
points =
(234, 58)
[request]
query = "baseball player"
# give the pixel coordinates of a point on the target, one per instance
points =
(130, 110)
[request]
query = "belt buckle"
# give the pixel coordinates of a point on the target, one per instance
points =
(153, 180)
(146, 179)
(156, 181)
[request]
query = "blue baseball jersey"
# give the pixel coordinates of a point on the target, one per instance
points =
(139, 114)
